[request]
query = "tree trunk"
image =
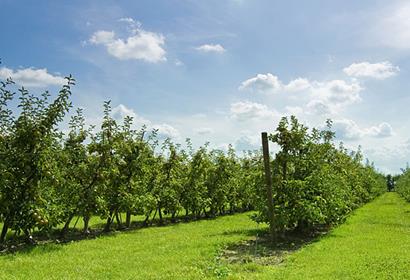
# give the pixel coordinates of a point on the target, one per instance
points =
(145, 223)
(153, 218)
(67, 225)
(161, 222)
(268, 181)
(128, 219)
(118, 219)
(86, 219)
(109, 222)
(4, 232)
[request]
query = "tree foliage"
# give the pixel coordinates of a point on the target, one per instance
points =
(316, 183)
(49, 178)
(403, 183)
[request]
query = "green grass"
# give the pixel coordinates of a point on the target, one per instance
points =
(181, 251)
(373, 243)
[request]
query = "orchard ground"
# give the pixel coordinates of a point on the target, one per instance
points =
(374, 242)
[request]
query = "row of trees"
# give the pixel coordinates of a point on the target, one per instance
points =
(315, 183)
(48, 178)
(403, 183)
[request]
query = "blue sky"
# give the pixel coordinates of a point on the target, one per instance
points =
(224, 70)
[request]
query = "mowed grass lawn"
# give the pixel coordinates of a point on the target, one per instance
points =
(180, 251)
(374, 243)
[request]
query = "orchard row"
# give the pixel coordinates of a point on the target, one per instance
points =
(48, 178)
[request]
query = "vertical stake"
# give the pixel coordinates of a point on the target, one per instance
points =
(268, 179)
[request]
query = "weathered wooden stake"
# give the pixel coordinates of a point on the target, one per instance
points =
(268, 179)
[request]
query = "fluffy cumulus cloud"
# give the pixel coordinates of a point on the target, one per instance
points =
(318, 107)
(164, 130)
(381, 70)
(299, 84)
(330, 97)
(349, 130)
(121, 111)
(337, 92)
(31, 77)
(262, 83)
(333, 91)
(215, 48)
(140, 45)
(246, 111)
(102, 37)
(382, 130)
(321, 98)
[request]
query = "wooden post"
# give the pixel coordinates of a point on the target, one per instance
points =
(268, 179)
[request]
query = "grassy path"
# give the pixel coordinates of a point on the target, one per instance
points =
(373, 243)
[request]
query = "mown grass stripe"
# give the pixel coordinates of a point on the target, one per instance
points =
(374, 243)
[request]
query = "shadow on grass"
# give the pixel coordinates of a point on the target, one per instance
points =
(262, 249)
(53, 240)
(48, 242)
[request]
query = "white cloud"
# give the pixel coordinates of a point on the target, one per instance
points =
(141, 45)
(349, 130)
(121, 111)
(323, 98)
(246, 110)
(167, 131)
(333, 92)
(294, 110)
(318, 97)
(246, 143)
(338, 91)
(31, 77)
(389, 159)
(298, 84)
(203, 130)
(129, 20)
(164, 130)
(262, 83)
(216, 48)
(382, 130)
(178, 62)
(318, 107)
(381, 70)
(102, 37)
(392, 27)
